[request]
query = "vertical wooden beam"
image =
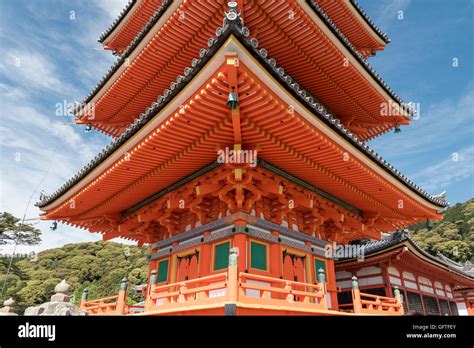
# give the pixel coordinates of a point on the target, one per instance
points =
(151, 267)
(122, 297)
(149, 303)
(174, 266)
(357, 304)
(205, 257)
(236, 126)
(332, 285)
(233, 63)
(470, 306)
(308, 266)
(240, 241)
(386, 280)
(276, 257)
(276, 263)
(232, 276)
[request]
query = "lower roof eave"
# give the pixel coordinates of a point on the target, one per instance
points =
(404, 246)
(329, 125)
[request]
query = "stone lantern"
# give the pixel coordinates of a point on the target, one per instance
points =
(8, 308)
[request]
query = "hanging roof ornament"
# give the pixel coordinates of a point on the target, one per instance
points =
(233, 100)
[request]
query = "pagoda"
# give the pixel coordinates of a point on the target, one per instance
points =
(239, 153)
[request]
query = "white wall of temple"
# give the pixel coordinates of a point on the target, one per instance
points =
(462, 308)
(366, 276)
(462, 300)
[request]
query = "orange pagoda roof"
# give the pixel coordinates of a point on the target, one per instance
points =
(351, 19)
(130, 22)
(346, 14)
(179, 134)
(310, 47)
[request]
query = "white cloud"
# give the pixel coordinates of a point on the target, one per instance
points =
(439, 126)
(31, 70)
(111, 7)
(38, 69)
(457, 168)
(390, 12)
(36, 146)
(424, 150)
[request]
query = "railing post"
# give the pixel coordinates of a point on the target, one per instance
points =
(398, 297)
(233, 276)
(182, 296)
(149, 303)
(122, 297)
(289, 297)
(276, 264)
(357, 304)
(322, 284)
(84, 296)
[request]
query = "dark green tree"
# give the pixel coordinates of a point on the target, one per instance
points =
(453, 236)
(11, 229)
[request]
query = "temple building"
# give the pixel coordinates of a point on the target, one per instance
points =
(429, 285)
(239, 152)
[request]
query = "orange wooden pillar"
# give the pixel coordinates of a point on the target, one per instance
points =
(240, 241)
(309, 267)
(357, 304)
(331, 284)
(275, 257)
(205, 257)
(233, 276)
(386, 280)
(470, 307)
(149, 303)
(174, 267)
(122, 297)
(276, 263)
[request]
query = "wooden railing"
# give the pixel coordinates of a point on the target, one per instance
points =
(112, 305)
(364, 303)
(209, 289)
(243, 288)
(274, 291)
(102, 306)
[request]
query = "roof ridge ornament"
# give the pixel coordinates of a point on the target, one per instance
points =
(441, 195)
(232, 16)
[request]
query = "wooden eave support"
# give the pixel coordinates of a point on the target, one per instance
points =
(232, 61)
(112, 235)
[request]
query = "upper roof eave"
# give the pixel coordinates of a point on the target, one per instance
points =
(312, 4)
(279, 74)
(383, 36)
(123, 58)
(106, 33)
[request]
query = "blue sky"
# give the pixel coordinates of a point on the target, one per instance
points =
(50, 58)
